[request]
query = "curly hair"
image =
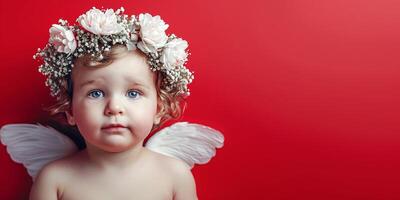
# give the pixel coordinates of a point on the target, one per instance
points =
(171, 104)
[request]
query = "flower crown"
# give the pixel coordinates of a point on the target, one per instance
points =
(99, 30)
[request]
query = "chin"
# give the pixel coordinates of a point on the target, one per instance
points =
(116, 147)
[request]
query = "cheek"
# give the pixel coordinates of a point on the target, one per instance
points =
(144, 116)
(85, 112)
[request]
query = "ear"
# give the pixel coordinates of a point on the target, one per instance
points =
(70, 118)
(157, 119)
(158, 116)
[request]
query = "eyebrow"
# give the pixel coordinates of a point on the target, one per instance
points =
(135, 82)
(131, 83)
(87, 83)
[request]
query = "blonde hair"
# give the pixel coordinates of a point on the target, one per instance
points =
(171, 104)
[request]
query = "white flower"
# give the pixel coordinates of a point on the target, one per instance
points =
(174, 53)
(152, 32)
(62, 39)
(99, 23)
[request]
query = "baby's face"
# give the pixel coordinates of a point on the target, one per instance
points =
(115, 107)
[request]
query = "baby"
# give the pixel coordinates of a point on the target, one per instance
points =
(115, 107)
(116, 78)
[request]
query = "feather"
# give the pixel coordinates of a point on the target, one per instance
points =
(191, 143)
(34, 146)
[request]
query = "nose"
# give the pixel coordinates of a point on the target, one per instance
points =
(114, 107)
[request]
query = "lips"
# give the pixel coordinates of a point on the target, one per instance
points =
(114, 127)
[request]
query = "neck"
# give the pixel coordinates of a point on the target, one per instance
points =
(114, 160)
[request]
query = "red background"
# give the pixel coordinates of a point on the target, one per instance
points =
(306, 92)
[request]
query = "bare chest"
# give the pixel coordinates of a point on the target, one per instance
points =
(124, 188)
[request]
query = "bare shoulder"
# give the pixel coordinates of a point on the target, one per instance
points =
(50, 181)
(47, 183)
(181, 176)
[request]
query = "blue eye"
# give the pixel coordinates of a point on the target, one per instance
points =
(133, 94)
(96, 94)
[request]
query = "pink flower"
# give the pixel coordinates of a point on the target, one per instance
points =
(152, 32)
(62, 39)
(100, 23)
(174, 53)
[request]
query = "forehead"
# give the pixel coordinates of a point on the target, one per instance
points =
(129, 66)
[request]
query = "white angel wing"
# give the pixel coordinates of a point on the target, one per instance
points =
(35, 145)
(191, 143)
